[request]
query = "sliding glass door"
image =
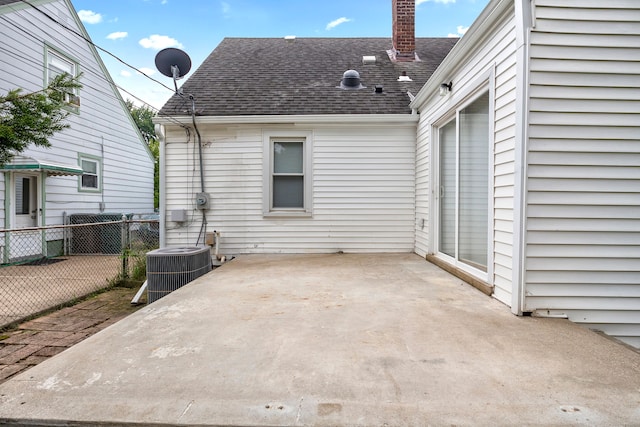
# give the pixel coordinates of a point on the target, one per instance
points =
(463, 168)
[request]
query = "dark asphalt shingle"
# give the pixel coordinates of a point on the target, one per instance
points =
(6, 2)
(273, 76)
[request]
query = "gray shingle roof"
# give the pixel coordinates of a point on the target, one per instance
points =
(6, 2)
(269, 76)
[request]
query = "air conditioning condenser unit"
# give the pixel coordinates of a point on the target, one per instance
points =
(171, 268)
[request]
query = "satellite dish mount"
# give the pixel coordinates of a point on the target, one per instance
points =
(173, 63)
(176, 64)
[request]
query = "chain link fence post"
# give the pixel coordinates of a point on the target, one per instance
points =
(125, 247)
(42, 268)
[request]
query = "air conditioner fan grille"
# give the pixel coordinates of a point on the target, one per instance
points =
(171, 268)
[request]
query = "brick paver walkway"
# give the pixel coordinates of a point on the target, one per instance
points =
(28, 289)
(37, 340)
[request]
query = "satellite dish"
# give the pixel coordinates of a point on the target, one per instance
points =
(173, 63)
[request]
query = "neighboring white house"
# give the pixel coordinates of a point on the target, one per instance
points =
(516, 167)
(99, 164)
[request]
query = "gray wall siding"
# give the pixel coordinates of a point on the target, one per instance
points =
(583, 210)
(102, 128)
(496, 55)
(363, 190)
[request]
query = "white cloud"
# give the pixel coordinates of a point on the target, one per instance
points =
(164, 2)
(157, 42)
(337, 22)
(125, 73)
(461, 31)
(89, 17)
(226, 8)
(117, 35)
(147, 71)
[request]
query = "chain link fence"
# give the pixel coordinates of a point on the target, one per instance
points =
(47, 267)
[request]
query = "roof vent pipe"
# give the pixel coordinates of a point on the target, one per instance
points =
(351, 80)
(404, 77)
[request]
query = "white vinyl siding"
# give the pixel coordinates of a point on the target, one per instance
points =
(496, 54)
(362, 186)
(504, 134)
(583, 210)
(102, 128)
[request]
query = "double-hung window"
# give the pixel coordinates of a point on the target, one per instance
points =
(288, 174)
(58, 64)
(287, 165)
(90, 179)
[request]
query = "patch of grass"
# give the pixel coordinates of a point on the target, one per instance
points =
(139, 266)
(135, 269)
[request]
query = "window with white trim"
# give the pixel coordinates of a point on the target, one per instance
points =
(58, 64)
(91, 173)
(463, 179)
(287, 165)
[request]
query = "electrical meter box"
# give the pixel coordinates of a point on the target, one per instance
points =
(202, 201)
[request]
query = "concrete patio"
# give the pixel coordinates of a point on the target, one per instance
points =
(336, 339)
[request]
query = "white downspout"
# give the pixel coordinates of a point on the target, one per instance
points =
(219, 257)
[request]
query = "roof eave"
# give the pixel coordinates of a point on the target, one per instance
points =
(474, 36)
(334, 119)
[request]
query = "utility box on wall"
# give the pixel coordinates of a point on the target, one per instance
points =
(179, 215)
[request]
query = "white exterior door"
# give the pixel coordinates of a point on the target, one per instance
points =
(463, 194)
(26, 201)
(26, 209)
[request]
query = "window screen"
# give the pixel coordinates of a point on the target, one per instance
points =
(288, 174)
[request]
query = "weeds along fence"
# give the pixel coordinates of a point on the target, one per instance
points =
(46, 267)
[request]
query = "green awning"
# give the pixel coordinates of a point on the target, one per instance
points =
(29, 164)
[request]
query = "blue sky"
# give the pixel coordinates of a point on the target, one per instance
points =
(135, 30)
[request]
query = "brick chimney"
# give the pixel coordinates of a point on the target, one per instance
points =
(404, 37)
